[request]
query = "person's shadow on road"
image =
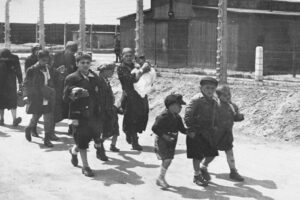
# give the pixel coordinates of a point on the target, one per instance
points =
(220, 192)
(122, 174)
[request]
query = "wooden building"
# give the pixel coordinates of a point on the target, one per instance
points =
(189, 37)
(54, 33)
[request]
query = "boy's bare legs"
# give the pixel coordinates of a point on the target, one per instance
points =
(16, 121)
(204, 165)
(163, 170)
(198, 177)
(86, 170)
(231, 163)
(113, 147)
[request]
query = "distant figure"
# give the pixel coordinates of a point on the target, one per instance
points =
(39, 93)
(10, 70)
(117, 49)
(33, 58)
(67, 60)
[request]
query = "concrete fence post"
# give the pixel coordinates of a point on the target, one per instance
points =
(259, 58)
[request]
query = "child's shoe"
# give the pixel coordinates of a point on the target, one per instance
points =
(28, 133)
(205, 174)
(53, 137)
(87, 172)
(74, 159)
(100, 153)
(34, 132)
(48, 143)
(113, 148)
(234, 175)
(17, 121)
(162, 183)
(199, 180)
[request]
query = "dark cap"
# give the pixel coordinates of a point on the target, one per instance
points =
(174, 98)
(209, 80)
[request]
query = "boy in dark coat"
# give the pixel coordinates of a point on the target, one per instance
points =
(11, 70)
(83, 91)
(110, 124)
(39, 93)
(228, 114)
(201, 121)
(166, 127)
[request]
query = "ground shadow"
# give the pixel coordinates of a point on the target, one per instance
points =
(2, 134)
(215, 191)
(122, 174)
(268, 184)
(62, 145)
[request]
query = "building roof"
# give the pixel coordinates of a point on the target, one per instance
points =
(253, 11)
(133, 14)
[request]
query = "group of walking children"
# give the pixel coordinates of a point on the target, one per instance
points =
(209, 119)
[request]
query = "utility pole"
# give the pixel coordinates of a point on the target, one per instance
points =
(82, 33)
(7, 26)
(41, 25)
(221, 65)
(65, 34)
(91, 37)
(139, 30)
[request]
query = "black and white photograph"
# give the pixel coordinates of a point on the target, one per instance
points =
(149, 99)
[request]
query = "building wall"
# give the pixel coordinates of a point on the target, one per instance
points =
(54, 33)
(99, 40)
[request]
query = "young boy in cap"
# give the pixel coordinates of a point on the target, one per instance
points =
(110, 125)
(201, 121)
(228, 114)
(166, 127)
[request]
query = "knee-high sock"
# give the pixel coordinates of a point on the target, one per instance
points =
(230, 159)
(83, 155)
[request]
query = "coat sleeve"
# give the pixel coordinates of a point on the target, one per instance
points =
(181, 126)
(159, 125)
(29, 89)
(27, 64)
(18, 70)
(190, 114)
(68, 86)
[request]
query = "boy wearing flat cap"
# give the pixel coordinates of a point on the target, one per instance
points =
(166, 128)
(201, 121)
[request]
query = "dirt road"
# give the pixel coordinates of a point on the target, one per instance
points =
(29, 171)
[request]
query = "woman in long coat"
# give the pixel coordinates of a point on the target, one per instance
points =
(135, 107)
(9, 72)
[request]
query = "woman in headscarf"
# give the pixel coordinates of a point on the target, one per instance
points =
(9, 72)
(135, 107)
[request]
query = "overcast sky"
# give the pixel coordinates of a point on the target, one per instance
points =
(67, 11)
